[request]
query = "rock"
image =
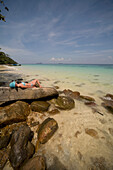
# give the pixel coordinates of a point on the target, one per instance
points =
(7, 130)
(4, 141)
(99, 163)
(109, 95)
(54, 111)
(36, 163)
(87, 98)
(3, 158)
(40, 106)
(14, 113)
(108, 104)
(90, 103)
(73, 94)
(8, 94)
(92, 132)
(65, 103)
(21, 148)
(46, 130)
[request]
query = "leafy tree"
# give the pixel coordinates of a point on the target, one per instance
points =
(1, 16)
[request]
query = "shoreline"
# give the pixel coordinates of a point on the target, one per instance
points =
(74, 145)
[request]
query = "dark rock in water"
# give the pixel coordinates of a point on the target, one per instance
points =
(109, 95)
(46, 130)
(65, 103)
(4, 141)
(73, 94)
(35, 163)
(3, 158)
(87, 98)
(90, 103)
(108, 104)
(14, 113)
(21, 149)
(40, 106)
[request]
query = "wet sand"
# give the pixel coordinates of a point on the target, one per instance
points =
(84, 139)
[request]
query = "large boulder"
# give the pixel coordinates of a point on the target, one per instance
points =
(21, 148)
(46, 130)
(14, 113)
(35, 163)
(40, 106)
(8, 94)
(65, 103)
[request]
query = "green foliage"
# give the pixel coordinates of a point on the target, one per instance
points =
(5, 59)
(1, 16)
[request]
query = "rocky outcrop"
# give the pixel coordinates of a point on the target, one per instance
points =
(65, 103)
(36, 163)
(14, 113)
(40, 106)
(46, 130)
(21, 148)
(8, 94)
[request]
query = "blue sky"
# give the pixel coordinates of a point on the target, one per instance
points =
(58, 31)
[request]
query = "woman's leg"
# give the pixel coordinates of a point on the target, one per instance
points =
(35, 81)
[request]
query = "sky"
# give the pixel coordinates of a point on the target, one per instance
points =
(58, 31)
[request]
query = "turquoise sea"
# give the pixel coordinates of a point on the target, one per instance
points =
(82, 77)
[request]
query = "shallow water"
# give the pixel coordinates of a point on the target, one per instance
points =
(85, 78)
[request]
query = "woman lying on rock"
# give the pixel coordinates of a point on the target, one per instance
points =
(33, 84)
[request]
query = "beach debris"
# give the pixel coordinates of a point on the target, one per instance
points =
(14, 113)
(65, 103)
(35, 163)
(73, 94)
(21, 148)
(7, 94)
(91, 132)
(46, 130)
(40, 106)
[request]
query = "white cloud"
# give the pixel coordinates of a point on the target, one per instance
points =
(57, 59)
(110, 57)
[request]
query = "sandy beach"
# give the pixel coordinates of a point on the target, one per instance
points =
(84, 139)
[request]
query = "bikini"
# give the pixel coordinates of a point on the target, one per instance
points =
(25, 84)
